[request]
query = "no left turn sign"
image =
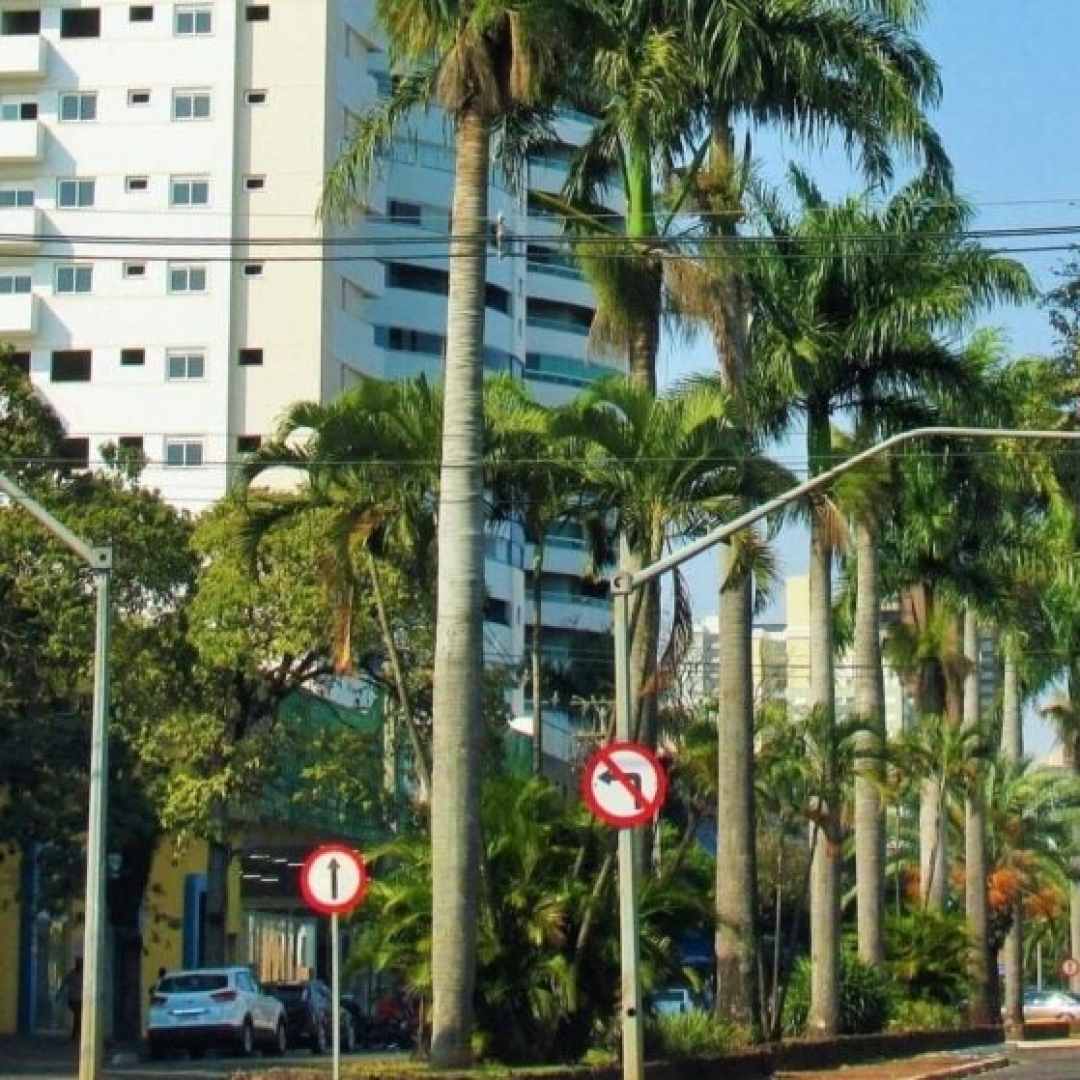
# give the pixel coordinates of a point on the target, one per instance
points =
(624, 784)
(333, 879)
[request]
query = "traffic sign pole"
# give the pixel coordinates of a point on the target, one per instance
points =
(633, 1029)
(335, 992)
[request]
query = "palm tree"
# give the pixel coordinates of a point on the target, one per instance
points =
(657, 469)
(368, 461)
(479, 62)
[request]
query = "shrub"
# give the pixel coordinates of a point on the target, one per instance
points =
(926, 953)
(689, 1035)
(866, 996)
(909, 1015)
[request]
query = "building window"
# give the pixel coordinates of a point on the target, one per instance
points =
(141, 13)
(254, 183)
(255, 97)
(130, 442)
(250, 357)
(252, 270)
(417, 278)
(80, 106)
(187, 277)
(191, 105)
(183, 453)
(18, 108)
(70, 365)
(14, 281)
(74, 193)
(20, 23)
(20, 361)
(189, 20)
(136, 183)
(132, 357)
(257, 13)
(189, 191)
(134, 270)
(74, 452)
(80, 23)
(183, 365)
(248, 444)
(74, 278)
(16, 196)
(404, 213)
(138, 97)
(402, 339)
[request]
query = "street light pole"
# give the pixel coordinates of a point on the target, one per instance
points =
(623, 587)
(99, 559)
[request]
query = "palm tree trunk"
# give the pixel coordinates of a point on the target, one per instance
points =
(736, 853)
(1012, 747)
(824, 1016)
(976, 898)
(459, 654)
(869, 773)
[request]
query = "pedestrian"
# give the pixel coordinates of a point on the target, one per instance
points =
(72, 987)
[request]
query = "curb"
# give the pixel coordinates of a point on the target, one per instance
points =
(967, 1068)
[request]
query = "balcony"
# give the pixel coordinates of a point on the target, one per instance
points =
(18, 315)
(19, 228)
(21, 56)
(20, 140)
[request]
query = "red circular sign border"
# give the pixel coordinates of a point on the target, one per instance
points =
(651, 807)
(320, 906)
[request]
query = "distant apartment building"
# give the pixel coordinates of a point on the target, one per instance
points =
(781, 664)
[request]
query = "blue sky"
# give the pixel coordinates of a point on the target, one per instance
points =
(1010, 122)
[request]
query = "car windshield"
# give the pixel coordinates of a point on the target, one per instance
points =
(193, 983)
(290, 994)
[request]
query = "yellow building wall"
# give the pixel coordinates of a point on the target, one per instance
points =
(10, 868)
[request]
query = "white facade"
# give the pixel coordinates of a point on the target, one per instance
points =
(165, 277)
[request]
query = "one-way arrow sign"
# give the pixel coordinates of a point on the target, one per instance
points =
(333, 879)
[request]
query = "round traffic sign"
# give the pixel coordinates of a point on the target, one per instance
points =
(333, 879)
(624, 784)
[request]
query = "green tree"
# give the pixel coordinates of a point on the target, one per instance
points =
(480, 62)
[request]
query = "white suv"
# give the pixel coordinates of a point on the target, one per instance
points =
(222, 1007)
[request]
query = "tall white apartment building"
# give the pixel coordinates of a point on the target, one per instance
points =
(165, 278)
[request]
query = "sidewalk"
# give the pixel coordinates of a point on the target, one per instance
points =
(949, 1066)
(57, 1056)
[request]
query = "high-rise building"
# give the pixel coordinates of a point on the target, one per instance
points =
(167, 282)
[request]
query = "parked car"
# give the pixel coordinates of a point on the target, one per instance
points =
(672, 1000)
(379, 1033)
(1051, 1005)
(308, 1015)
(214, 1008)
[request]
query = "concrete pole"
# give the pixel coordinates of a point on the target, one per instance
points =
(99, 559)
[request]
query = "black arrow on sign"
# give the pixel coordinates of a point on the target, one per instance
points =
(333, 865)
(608, 777)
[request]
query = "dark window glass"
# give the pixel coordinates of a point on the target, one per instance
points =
(404, 213)
(250, 357)
(20, 22)
(132, 357)
(80, 22)
(141, 13)
(248, 444)
(255, 97)
(418, 278)
(258, 13)
(75, 452)
(130, 442)
(21, 360)
(497, 298)
(71, 365)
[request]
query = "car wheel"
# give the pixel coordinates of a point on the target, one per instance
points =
(319, 1042)
(280, 1042)
(247, 1038)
